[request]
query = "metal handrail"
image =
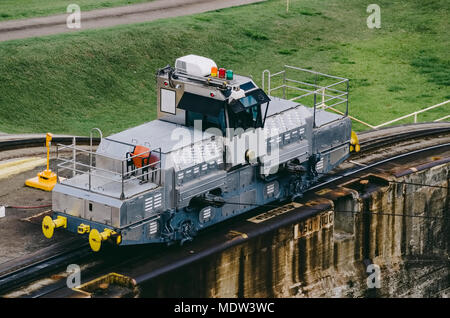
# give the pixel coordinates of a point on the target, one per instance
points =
(315, 92)
(321, 90)
(71, 146)
(316, 89)
(121, 177)
(397, 119)
(65, 161)
(315, 85)
(351, 117)
(440, 119)
(414, 114)
(90, 154)
(105, 170)
(93, 173)
(314, 72)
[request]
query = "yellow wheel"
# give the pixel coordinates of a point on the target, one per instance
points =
(95, 240)
(48, 227)
(119, 239)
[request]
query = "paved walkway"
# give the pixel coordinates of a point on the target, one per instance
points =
(19, 29)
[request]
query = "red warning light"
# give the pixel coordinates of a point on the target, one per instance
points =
(222, 72)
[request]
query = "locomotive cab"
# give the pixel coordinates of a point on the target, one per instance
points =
(230, 105)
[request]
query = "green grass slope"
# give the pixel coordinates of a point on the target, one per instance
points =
(106, 78)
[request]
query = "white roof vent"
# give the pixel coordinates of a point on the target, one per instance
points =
(195, 65)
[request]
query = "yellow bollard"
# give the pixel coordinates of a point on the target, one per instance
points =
(96, 238)
(45, 180)
(49, 225)
(354, 143)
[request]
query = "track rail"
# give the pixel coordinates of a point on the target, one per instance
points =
(14, 277)
(352, 172)
(410, 132)
(40, 142)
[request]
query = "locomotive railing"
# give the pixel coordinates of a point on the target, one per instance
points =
(310, 88)
(117, 183)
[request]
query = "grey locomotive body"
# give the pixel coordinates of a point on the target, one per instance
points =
(219, 147)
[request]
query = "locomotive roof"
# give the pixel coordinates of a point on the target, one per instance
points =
(161, 134)
(158, 134)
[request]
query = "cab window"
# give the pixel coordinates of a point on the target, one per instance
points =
(208, 121)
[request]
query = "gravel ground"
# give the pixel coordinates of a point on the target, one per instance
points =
(22, 237)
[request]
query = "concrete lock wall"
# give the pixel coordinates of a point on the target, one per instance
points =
(327, 255)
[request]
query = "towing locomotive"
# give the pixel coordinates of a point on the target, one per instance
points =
(219, 147)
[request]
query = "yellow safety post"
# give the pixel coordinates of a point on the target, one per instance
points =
(354, 143)
(96, 238)
(49, 225)
(45, 180)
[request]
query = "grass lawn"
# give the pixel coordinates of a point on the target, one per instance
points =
(105, 78)
(20, 9)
